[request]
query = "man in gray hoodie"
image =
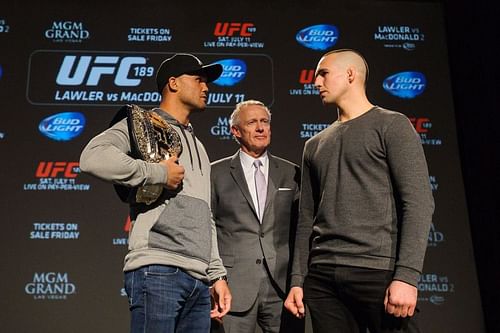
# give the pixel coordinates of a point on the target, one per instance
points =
(365, 211)
(173, 256)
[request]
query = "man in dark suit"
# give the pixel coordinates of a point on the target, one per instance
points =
(254, 204)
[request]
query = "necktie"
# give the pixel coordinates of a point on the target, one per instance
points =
(260, 188)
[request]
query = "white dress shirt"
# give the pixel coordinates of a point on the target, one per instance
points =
(249, 171)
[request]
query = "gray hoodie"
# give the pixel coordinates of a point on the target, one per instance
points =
(176, 230)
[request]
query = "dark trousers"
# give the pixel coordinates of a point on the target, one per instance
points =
(267, 312)
(351, 300)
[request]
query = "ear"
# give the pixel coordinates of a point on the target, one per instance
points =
(172, 84)
(351, 74)
(235, 131)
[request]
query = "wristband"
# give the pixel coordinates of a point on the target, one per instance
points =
(223, 277)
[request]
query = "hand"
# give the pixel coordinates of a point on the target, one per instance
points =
(175, 173)
(221, 300)
(294, 304)
(400, 299)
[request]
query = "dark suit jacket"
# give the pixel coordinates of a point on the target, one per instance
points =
(243, 241)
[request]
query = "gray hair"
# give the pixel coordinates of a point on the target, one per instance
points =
(234, 120)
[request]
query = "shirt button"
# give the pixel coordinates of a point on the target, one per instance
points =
(258, 261)
(262, 235)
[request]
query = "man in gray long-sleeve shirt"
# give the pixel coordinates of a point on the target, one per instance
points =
(365, 211)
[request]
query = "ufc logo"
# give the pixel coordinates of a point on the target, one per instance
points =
(306, 76)
(421, 125)
(54, 169)
(88, 70)
(230, 29)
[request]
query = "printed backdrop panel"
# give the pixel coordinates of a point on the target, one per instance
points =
(66, 69)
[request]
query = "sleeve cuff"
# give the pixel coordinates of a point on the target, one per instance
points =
(158, 174)
(296, 280)
(407, 275)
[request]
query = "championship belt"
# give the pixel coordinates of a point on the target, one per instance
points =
(153, 140)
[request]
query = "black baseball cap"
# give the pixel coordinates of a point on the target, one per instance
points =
(185, 63)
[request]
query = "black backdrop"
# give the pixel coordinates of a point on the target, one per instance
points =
(66, 232)
(472, 30)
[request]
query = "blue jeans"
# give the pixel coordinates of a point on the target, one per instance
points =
(165, 299)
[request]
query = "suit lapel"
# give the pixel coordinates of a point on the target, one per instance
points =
(239, 178)
(272, 180)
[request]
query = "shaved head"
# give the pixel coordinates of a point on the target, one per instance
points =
(340, 78)
(345, 58)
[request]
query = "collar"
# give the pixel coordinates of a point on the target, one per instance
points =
(247, 160)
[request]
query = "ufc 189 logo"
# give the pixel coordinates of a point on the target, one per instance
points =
(57, 169)
(422, 124)
(234, 28)
(88, 70)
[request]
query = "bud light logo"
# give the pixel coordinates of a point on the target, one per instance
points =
(63, 126)
(234, 71)
(405, 84)
(318, 37)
